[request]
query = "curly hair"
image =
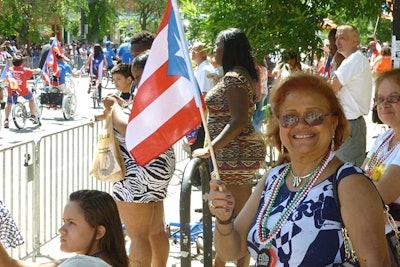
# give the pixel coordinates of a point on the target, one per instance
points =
(143, 37)
(309, 84)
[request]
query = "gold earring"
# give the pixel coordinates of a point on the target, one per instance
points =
(333, 143)
(282, 149)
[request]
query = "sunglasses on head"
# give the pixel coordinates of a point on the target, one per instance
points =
(390, 99)
(312, 119)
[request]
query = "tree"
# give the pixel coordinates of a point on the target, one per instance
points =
(144, 14)
(99, 17)
(275, 25)
(26, 19)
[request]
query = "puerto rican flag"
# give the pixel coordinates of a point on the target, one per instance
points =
(51, 61)
(167, 103)
(9, 78)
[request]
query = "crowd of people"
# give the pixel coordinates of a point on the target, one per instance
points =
(292, 216)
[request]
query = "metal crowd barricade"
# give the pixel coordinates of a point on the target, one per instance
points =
(17, 189)
(186, 190)
(37, 177)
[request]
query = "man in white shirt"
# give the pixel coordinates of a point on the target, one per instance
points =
(352, 83)
(203, 67)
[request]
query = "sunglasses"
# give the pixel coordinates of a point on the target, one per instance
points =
(312, 119)
(390, 99)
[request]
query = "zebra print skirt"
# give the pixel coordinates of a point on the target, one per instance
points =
(144, 184)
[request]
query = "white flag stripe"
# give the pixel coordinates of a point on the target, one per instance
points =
(158, 55)
(172, 100)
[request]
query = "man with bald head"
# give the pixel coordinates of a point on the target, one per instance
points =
(352, 83)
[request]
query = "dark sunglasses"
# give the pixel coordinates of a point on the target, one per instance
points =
(312, 119)
(390, 99)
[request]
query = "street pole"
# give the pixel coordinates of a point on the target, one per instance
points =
(396, 34)
(83, 22)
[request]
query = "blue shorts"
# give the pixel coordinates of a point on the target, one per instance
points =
(27, 97)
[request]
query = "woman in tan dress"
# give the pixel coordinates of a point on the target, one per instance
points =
(239, 149)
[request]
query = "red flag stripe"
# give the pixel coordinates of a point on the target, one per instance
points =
(172, 101)
(160, 57)
(151, 89)
(172, 128)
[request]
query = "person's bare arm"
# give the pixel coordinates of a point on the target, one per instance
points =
(336, 85)
(230, 239)
(363, 216)
(7, 261)
(388, 183)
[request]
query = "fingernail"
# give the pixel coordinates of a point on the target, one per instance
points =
(228, 196)
(230, 203)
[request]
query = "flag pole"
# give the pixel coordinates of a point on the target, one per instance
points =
(215, 173)
(207, 139)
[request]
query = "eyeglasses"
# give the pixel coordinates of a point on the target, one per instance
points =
(312, 119)
(390, 99)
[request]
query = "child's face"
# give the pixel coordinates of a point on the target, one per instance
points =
(75, 234)
(121, 82)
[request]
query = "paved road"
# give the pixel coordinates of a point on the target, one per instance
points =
(53, 120)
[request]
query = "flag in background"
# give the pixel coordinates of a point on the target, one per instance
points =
(51, 61)
(9, 78)
(167, 103)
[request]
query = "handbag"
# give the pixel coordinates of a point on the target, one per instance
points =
(350, 254)
(108, 164)
(392, 238)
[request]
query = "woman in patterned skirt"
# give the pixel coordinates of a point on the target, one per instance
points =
(140, 195)
(239, 149)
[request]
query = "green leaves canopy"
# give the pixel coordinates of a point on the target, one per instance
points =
(273, 25)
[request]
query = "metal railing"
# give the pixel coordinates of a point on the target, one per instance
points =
(37, 177)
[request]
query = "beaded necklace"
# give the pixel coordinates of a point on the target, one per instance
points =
(265, 237)
(374, 164)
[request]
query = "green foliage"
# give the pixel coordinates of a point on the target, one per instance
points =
(275, 25)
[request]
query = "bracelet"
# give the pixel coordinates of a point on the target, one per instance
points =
(222, 234)
(229, 221)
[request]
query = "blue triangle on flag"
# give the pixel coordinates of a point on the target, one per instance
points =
(176, 65)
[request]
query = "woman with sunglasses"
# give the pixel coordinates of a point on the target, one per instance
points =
(382, 164)
(291, 218)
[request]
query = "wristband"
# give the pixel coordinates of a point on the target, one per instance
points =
(229, 221)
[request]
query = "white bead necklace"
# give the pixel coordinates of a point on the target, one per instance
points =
(265, 235)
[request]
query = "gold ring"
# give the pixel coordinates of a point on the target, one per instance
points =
(212, 204)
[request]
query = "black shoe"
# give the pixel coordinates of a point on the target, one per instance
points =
(6, 126)
(35, 120)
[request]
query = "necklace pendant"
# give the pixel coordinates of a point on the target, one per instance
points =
(265, 258)
(296, 181)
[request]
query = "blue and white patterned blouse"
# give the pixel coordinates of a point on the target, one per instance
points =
(311, 235)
